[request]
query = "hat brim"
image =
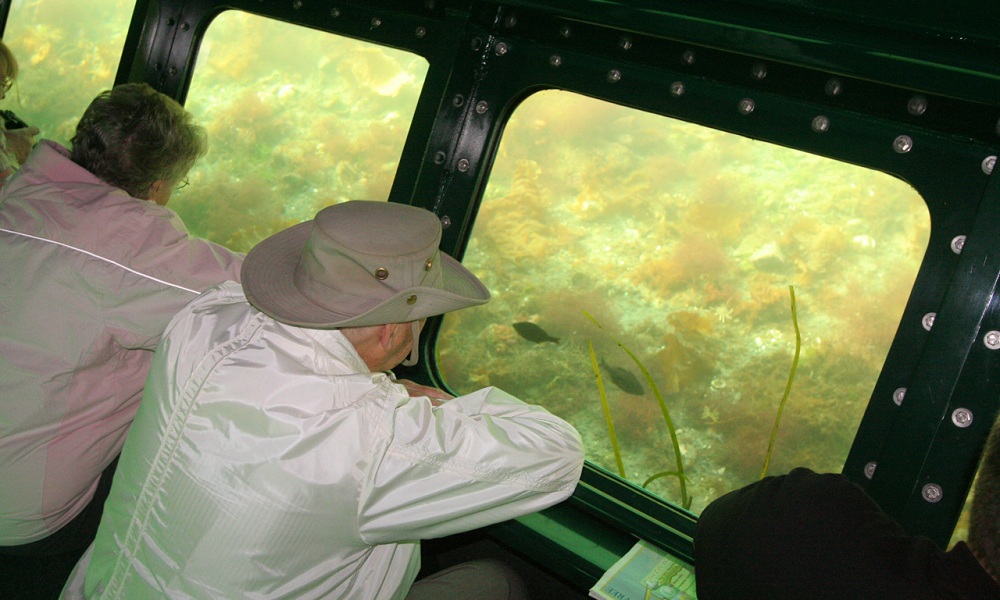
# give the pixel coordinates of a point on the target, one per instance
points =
(268, 279)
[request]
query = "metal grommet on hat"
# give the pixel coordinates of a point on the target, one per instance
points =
(412, 299)
(381, 273)
(430, 263)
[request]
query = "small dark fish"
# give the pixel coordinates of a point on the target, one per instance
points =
(624, 379)
(533, 333)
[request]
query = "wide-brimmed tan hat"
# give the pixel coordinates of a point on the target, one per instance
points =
(358, 263)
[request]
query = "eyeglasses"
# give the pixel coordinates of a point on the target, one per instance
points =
(183, 184)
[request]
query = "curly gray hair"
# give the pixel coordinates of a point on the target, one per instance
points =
(133, 136)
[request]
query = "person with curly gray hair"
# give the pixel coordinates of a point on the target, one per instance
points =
(94, 266)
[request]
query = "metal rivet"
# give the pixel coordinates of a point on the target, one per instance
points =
(758, 71)
(458, 100)
(961, 417)
(376, 22)
(614, 75)
(957, 243)
(500, 48)
(625, 43)
(820, 124)
(476, 43)
(171, 22)
(510, 21)
(932, 492)
(988, 163)
(334, 12)
(429, 264)
(445, 222)
(928, 320)
(992, 340)
(185, 26)
(746, 106)
(834, 87)
(677, 89)
(172, 70)
(916, 106)
(565, 31)
(870, 469)
(688, 57)
(381, 273)
(555, 60)
(440, 157)
(898, 395)
(482, 106)
(902, 144)
(421, 31)
(297, 4)
(411, 300)
(463, 165)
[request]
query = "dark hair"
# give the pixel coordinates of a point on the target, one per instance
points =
(133, 136)
(984, 517)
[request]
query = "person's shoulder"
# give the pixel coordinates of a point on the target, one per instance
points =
(786, 491)
(800, 504)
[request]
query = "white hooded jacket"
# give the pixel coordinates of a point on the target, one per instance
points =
(266, 461)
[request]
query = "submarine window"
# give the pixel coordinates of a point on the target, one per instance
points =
(606, 226)
(297, 119)
(67, 51)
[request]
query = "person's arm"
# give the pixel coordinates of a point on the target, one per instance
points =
(474, 461)
(436, 396)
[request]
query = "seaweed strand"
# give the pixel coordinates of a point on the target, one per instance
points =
(679, 472)
(788, 385)
(607, 411)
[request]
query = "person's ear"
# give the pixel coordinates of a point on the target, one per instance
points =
(159, 192)
(387, 334)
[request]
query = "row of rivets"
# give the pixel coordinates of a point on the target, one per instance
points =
(376, 22)
(960, 417)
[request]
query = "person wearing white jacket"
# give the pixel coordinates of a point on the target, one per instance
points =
(274, 454)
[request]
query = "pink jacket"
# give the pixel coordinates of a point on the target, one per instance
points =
(90, 278)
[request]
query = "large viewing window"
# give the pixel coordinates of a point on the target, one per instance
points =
(297, 119)
(636, 234)
(68, 51)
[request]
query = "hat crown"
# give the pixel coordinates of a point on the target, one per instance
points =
(363, 254)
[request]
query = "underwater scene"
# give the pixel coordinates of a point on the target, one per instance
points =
(696, 303)
(67, 51)
(658, 283)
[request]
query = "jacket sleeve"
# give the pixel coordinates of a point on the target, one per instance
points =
(476, 460)
(166, 269)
